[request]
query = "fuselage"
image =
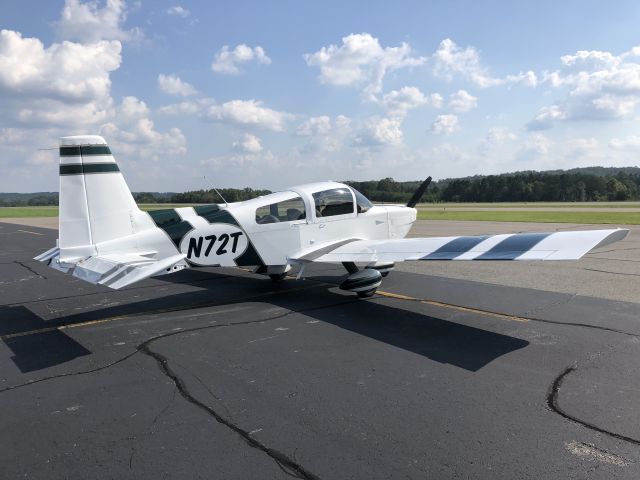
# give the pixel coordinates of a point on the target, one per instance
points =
(268, 230)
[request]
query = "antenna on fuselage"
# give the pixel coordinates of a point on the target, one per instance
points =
(226, 204)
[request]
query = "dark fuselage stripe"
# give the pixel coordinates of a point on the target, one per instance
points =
(84, 150)
(169, 221)
(86, 168)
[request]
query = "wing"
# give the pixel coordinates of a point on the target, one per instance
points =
(519, 246)
(114, 270)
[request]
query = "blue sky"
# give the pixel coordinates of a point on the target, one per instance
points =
(268, 94)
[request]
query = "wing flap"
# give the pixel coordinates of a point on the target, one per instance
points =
(521, 246)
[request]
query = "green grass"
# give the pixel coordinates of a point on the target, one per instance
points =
(17, 212)
(541, 205)
(621, 218)
(630, 218)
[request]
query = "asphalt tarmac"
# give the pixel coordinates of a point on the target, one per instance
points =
(219, 373)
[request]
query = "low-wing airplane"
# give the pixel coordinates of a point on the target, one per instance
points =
(105, 239)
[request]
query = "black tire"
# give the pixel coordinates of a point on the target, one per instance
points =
(277, 277)
(367, 293)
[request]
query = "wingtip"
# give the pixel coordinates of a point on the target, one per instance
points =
(615, 236)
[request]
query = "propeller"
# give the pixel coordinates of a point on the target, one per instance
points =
(417, 195)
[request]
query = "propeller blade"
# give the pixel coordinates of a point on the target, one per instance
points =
(418, 193)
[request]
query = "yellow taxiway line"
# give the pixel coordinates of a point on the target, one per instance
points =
(396, 296)
(451, 306)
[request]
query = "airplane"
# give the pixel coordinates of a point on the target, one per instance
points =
(105, 239)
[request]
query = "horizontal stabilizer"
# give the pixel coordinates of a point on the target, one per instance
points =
(521, 246)
(115, 271)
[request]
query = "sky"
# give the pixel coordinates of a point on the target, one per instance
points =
(198, 94)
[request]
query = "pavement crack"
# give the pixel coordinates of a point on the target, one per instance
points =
(288, 465)
(500, 314)
(70, 374)
(166, 407)
(554, 406)
(133, 452)
(613, 273)
(27, 267)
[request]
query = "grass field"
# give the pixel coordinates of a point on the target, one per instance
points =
(540, 205)
(545, 216)
(19, 212)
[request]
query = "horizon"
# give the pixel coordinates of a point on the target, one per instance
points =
(190, 94)
(352, 180)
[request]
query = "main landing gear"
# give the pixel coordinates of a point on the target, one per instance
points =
(364, 282)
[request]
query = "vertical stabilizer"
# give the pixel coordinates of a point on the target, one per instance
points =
(95, 203)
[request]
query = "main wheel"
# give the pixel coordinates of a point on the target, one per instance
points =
(367, 293)
(277, 277)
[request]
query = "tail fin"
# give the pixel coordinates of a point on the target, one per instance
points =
(95, 203)
(101, 229)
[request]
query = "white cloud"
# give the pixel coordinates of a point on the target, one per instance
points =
(133, 133)
(445, 124)
(546, 117)
(227, 61)
(599, 85)
(179, 11)
(65, 70)
(630, 143)
(361, 61)
(538, 144)
(245, 162)
(462, 101)
(248, 144)
(187, 107)
(12, 136)
(581, 148)
(378, 132)
(399, 102)
(249, 113)
(324, 134)
(88, 23)
(496, 137)
(436, 100)
(315, 126)
(450, 61)
(173, 85)
(66, 84)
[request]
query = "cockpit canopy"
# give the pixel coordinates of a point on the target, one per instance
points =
(327, 203)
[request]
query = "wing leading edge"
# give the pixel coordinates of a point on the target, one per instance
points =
(520, 246)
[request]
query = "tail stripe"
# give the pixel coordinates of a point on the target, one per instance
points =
(84, 150)
(84, 168)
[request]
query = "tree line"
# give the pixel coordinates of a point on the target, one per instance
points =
(578, 185)
(514, 187)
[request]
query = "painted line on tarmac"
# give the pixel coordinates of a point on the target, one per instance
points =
(153, 312)
(434, 303)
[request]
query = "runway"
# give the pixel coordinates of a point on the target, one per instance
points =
(219, 373)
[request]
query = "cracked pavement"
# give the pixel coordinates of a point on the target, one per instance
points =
(220, 373)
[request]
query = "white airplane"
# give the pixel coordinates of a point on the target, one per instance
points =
(105, 239)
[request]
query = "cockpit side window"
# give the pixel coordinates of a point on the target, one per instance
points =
(362, 202)
(285, 211)
(337, 201)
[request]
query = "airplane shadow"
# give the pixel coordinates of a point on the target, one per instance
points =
(439, 340)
